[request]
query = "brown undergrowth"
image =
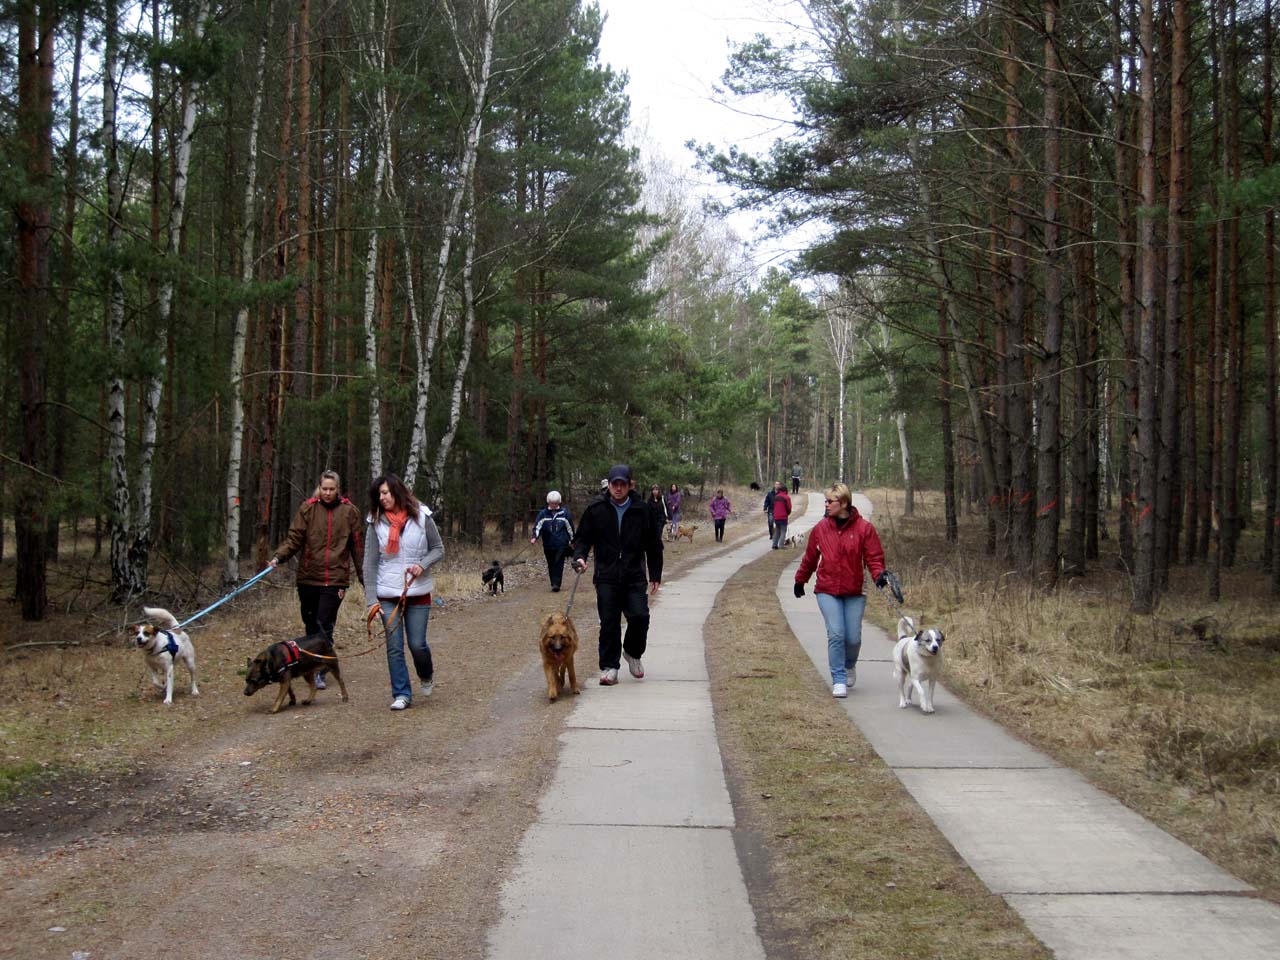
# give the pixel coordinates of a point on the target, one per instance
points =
(1174, 714)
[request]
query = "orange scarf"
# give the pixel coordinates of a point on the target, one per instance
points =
(396, 519)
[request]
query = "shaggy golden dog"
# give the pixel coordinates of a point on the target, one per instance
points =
(686, 530)
(558, 645)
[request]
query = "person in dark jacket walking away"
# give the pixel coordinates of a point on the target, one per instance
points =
(657, 507)
(781, 513)
(325, 532)
(795, 477)
(768, 508)
(842, 543)
(626, 543)
(555, 527)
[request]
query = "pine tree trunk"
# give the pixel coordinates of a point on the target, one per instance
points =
(948, 440)
(35, 234)
(1048, 481)
(1144, 557)
(1167, 509)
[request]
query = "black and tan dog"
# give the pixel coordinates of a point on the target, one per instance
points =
(283, 661)
(493, 579)
(559, 645)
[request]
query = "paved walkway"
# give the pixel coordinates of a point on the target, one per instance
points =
(632, 851)
(1092, 879)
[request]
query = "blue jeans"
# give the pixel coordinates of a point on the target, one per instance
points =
(843, 616)
(414, 621)
(612, 601)
(779, 532)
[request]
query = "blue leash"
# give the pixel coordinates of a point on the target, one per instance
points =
(213, 606)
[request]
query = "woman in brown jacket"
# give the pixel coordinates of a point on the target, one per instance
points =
(325, 532)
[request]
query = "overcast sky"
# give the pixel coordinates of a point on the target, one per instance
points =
(675, 51)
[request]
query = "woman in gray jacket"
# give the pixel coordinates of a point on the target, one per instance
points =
(401, 545)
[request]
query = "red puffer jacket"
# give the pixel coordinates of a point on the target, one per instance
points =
(839, 554)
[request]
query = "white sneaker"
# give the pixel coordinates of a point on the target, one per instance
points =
(608, 678)
(839, 690)
(426, 687)
(320, 684)
(634, 665)
(853, 675)
(399, 703)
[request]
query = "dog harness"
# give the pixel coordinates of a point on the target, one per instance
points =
(292, 655)
(171, 645)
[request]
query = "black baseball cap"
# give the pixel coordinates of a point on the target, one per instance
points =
(619, 471)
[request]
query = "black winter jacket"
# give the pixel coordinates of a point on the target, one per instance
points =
(620, 556)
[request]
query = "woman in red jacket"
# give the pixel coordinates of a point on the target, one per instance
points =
(841, 544)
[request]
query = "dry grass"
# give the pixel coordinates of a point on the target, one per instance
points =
(1175, 714)
(856, 869)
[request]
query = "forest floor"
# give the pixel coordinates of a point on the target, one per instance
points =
(131, 830)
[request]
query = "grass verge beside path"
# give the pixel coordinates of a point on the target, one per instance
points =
(855, 868)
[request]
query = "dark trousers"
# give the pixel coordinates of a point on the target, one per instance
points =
(612, 601)
(795, 484)
(319, 606)
(555, 564)
(719, 525)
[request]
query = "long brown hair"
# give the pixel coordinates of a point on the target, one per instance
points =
(403, 498)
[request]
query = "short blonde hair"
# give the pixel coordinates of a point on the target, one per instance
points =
(838, 491)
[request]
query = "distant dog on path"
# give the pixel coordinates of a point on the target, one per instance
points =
(164, 647)
(917, 658)
(686, 530)
(493, 578)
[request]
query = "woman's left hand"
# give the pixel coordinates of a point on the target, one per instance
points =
(416, 569)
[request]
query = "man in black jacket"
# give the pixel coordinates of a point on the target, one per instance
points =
(625, 542)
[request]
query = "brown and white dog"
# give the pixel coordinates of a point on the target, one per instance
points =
(164, 647)
(558, 645)
(917, 658)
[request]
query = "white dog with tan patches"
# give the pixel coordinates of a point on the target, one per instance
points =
(917, 657)
(163, 647)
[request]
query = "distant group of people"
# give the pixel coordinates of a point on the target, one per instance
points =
(394, 547)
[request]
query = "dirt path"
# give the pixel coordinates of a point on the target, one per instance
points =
(328, 831)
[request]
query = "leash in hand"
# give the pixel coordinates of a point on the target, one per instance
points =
(573, 592)
(894, 592)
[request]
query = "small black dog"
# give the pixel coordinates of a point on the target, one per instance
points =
(754, 485)
(493, 579)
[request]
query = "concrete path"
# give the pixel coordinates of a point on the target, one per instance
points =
(632, 852)
(1091, 878)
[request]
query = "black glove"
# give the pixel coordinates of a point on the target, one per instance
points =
(889, 579)
(798, 589)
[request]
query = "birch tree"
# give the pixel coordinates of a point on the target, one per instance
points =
(477, 68)
(140, 546)
(838, 334)
(232, 541)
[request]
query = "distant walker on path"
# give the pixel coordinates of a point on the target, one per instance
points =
(795, 477)
(555, 527)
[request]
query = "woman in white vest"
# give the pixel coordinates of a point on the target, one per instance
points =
(401, 545)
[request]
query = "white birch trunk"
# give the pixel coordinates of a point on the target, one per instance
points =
(478, 75)
(900, 419)
(377, 62)
(839, 337)
(121, 585)
(232, 572)
(464, 360)
(141, 547)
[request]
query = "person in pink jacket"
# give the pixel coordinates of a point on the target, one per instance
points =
(781, 513)
(841, 544)
(720, 508)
